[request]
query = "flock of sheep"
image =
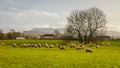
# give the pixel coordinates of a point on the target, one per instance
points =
(76, 46)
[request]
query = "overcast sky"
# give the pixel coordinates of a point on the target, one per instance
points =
(27, 14)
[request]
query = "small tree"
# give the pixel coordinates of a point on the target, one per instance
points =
(86, 24)
(2, 35)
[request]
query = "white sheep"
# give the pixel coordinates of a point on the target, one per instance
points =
(51, 46)
(62, 47)
(14, 44)
(89, 50)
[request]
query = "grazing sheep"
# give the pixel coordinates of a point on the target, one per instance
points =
(35, 45)
(83, 47)
(51, 46)
(32, 45)
(78, 48)
(58, 45)
(97, 46)
(62, 47)
(28, 45)
(89, 50)
(90, 45)
(42, 44)
(39, 45)
(72, 45)
(25, 45)
(14, 44)
(46, 45)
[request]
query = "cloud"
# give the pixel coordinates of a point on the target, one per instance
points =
(20, 19)
(61, 24)
(19, 15)
(113, 27)
(9, 2)
(15, 12)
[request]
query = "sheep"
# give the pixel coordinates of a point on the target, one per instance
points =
(62, 47)
(32, 45)
(72, 45)
(83, 47)
(46, 45)
(90, 45)
(35, 45)
(25, 45)
(42, 44)
(51, 46)
(28, 45)
(97, 46)
(89, 50)
(57, 45)
(39, 45)
(14, 44)
(78, 48)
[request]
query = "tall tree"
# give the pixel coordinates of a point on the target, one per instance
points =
(86, 24)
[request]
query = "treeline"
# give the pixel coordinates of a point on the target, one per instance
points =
(10, 35)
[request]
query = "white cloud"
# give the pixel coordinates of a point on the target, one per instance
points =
(50, 14)
(113, 27)
(19, 19)
(61, 24)
(18, 13)
(41, 26)
(24, 16)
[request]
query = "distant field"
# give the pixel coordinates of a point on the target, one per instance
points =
(103, 57)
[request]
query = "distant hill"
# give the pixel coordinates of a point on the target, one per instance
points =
(112, 34)
(43, 31)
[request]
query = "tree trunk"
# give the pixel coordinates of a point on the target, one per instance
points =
(80, 37)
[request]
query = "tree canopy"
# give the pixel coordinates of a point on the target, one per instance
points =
(86, 24)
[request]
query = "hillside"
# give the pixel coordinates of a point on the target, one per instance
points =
(43, 31)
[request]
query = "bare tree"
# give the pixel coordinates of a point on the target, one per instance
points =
(86, 24)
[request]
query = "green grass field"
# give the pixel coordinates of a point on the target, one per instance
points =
(103, 57)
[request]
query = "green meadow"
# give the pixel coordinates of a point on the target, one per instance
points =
(106, 56)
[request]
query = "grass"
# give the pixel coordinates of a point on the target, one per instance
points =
(103, 57)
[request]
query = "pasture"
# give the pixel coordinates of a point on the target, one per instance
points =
(106, 56)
